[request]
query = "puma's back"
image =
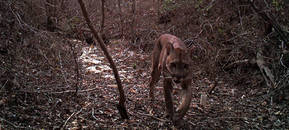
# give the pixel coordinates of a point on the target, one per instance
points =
(177, 60)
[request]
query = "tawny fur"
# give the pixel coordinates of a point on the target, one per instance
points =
(172, 58)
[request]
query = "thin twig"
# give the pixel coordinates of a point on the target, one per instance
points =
(233, 38)
(76, 68)
(272, 21)
(61, 69)
(198, 35)
(21, 22)
(237, 62)
(279, 87)
(159, 119)
(92, 113)
(281, 62)
(12, 124)
(45, 57)
(66, 91)
(4, 84)
(241, 18)
(191, 123)
(230, 117)
(73, 114)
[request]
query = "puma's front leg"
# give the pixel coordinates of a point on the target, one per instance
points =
(155, 72)
(168, 97)
(186, 96)
(155, 76)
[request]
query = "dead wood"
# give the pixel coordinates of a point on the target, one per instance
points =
(266, 72)
(76, 85)
(271, 21)
(212, 87)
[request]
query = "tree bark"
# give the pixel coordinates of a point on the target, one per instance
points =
(159, 6)
(120, 18)
(103, 17)
(133, 32)
(121, 106)
(51, 8)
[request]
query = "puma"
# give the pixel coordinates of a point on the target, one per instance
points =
(171, 57)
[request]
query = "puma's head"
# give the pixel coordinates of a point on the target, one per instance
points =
(178, 62)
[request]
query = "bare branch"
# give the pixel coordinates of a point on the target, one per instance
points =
(121, 105)
(272, 21)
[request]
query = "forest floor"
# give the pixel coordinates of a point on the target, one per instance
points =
(39, 73)
(229, 106)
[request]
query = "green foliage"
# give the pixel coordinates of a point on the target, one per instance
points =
(278, 4)
(134, 66)
(74, 21)
(169, 5)
(221, 31)
(198, 3)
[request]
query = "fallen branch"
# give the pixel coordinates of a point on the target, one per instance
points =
(282, 84)
(212, 87)
(159, 119)
(58, 92)
(266, 72)
(10, 123)
(73, 114)
(245, 61)
(191, 123)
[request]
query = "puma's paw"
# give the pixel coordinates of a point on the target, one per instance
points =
(177, 121)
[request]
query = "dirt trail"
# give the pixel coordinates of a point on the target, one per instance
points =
(227, 107)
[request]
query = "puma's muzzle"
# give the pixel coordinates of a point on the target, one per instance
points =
(178, 78)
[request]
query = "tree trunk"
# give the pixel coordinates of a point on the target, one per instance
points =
(159, 6)
(51, 14)
(51, 8)
(121, 106)
(102, 19)
(120, 18)
(133, 8)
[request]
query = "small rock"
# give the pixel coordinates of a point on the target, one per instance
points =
(236, 127)
(273, 118)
